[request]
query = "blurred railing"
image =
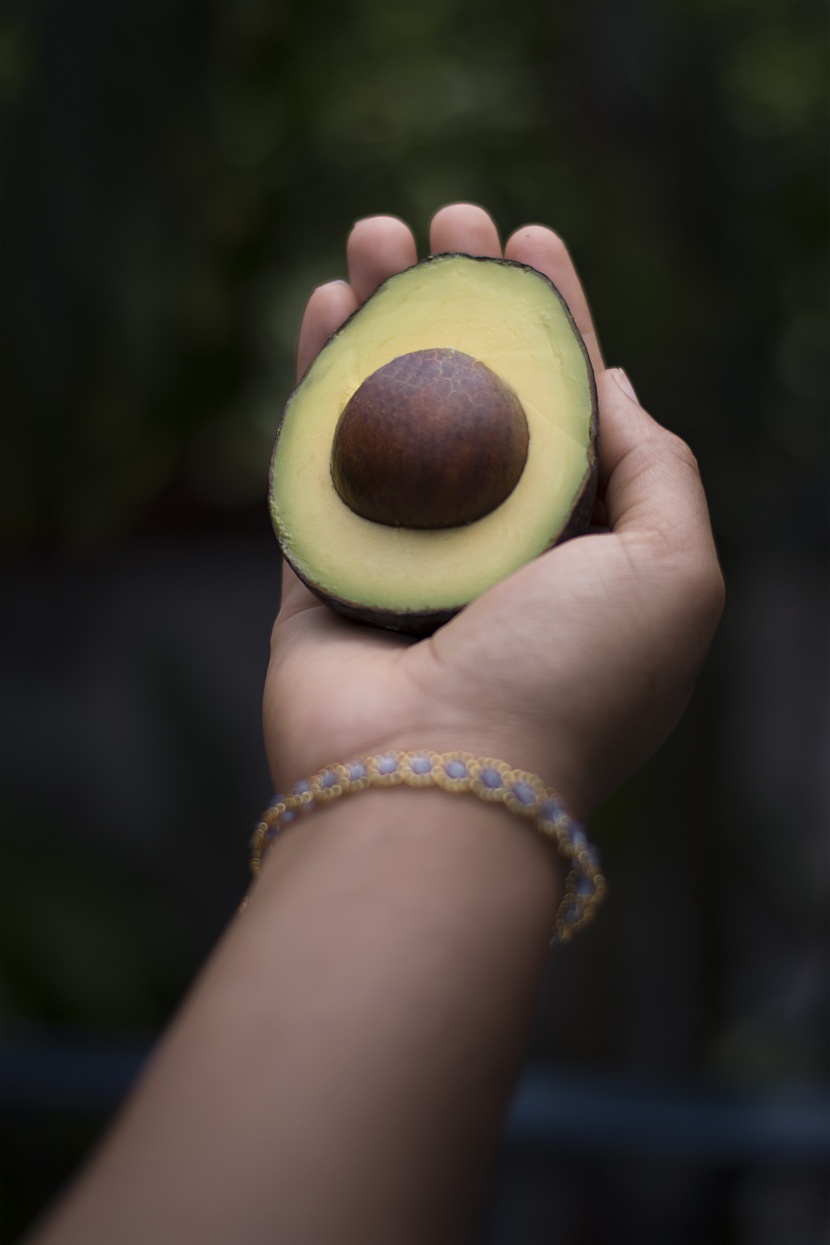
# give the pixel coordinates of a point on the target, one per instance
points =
(556, 1107)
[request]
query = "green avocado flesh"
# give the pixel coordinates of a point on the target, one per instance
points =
(510, 318)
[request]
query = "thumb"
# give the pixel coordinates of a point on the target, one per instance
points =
(649, 476)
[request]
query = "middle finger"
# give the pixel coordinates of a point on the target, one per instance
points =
(467, 228)
(378, 247)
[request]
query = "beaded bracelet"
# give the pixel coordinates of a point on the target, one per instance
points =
(458, 773)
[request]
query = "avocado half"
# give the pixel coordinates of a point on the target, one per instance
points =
(502, 314)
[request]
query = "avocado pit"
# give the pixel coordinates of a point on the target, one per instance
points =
(434, 439)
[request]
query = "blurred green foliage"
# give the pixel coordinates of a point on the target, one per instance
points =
(179, 175)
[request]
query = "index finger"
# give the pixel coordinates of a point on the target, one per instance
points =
(544, 250)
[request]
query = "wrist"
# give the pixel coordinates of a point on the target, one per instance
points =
(412, 854)
(490, 781)
(518, 748)
(521, 744)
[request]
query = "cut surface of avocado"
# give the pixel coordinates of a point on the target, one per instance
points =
(513, 320)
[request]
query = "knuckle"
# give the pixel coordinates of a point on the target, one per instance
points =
(681, 452)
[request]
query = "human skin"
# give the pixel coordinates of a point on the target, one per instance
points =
(579, 664)
(339, 1071)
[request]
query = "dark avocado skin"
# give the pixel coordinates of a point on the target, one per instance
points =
(408, 622)
(424, 623)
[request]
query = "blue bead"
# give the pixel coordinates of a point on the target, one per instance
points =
(357, 771)
(301, 787)
(278, 799)
(552, 810)
(491, 778)
(329, 779)
(455, 769)
(387, 765)
(420, 765)
(287, 817)
(584, 885)
(575, 835)
(523, 792)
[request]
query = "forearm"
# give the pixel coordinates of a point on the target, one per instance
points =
(340, 1070)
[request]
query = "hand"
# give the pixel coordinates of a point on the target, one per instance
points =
(579, 664)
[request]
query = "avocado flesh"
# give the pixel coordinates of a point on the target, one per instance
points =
(512, 319)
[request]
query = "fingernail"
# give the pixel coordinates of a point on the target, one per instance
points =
(625, 384)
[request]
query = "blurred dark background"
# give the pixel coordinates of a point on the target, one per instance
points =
(177, 176)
